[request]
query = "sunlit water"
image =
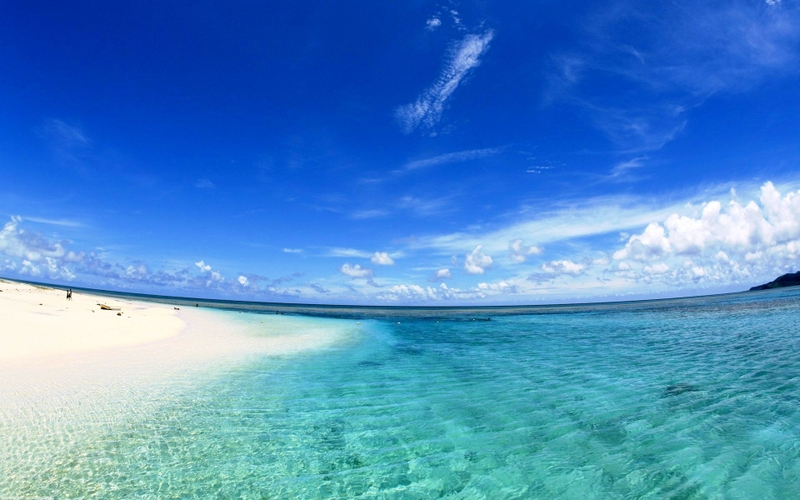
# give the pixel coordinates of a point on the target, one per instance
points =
(695, 398)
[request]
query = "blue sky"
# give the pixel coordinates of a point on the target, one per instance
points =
(412, 153)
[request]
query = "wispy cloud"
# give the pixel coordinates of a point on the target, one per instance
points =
(370, 213)
(347, 252)
(292, 250)
(624, 167)
(639, 129)
(53, 222)
(577, 219)
(427, 110)
(204, 184)
(63, 135)
(455, 157)
(683, 53)
(416, 205)
(425, 207)
(70, 144)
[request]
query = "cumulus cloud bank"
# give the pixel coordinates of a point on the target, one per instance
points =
(722, 243)
(734, 229)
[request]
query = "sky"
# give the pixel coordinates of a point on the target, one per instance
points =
(401, 153)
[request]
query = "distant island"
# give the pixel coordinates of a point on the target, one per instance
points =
(790, 279)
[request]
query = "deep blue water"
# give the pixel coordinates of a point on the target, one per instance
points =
(690, 398)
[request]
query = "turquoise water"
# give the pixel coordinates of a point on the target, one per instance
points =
(693, 398)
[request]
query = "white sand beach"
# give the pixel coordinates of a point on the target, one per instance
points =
(39, 321)
(72, 357)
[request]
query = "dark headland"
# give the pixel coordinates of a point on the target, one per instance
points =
(790, 279)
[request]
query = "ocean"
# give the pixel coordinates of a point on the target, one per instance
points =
(695, 398)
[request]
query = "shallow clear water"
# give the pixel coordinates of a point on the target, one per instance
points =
(694, 398)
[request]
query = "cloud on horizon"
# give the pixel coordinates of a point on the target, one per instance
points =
(721, 240)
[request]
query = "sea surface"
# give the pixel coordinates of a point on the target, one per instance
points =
(693, 398)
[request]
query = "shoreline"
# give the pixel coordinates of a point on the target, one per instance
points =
(65, 370)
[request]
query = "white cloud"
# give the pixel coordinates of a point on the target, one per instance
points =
(499, 287)
(415, 293)
(651, 243)
(658, 268)
(30, 269)
(733, 229)
(443, 274)
(458, 156)
(685, 52)
(622, 168)
(718, 244)
(64, 135)
(424, 207)
(382, 259)
(410, 292)
(17, 242)
(520, 252)
(53, 222)
(419, 294)
(575, 219)
(370, 213)
(476, 261)
(137, 271)
(355, 271)
(213, 276)
(456, 19)
(293, 250)
(558, 267)
(348, 252)
(242, 280)
(433, 23)
(427, 110)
